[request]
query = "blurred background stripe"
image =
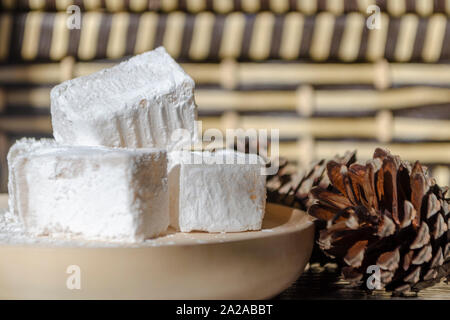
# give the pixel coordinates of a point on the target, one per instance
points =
(394, 8)
(43, 36)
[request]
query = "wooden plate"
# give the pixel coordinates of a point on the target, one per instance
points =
(245, 265)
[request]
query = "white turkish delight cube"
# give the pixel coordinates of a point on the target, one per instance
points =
(222, 191)
(94, 193)
(138, 103)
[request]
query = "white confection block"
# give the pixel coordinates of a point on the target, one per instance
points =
(95, 193)
(138, 103)
(208, 193)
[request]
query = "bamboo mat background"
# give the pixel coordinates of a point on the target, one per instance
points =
(310, 68)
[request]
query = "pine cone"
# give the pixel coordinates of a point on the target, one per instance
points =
(387, 214)
(291, 188)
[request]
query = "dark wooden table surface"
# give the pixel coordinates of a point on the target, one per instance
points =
(326, 284)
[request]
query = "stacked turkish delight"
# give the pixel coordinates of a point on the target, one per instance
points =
(118, 169)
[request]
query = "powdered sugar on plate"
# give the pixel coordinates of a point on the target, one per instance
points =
(12, 233)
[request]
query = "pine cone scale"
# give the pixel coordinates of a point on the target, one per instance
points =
(389, 260)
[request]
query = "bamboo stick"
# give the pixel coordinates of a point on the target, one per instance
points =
(403, 128)
(442, 175)
(303, 148)
(256, 73)
(18, 125)
(324, 101)
(438, 153)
